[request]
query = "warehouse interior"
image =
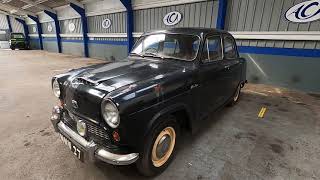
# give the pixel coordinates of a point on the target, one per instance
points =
(283, 61)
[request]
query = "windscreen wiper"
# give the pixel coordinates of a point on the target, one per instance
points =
(154, 55)
(135, 54)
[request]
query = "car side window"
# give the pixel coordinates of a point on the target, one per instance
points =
(230, 51)
(212, 50)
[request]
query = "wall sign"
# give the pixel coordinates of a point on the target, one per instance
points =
(71, 27)
(34, 29)
(106, 23)
(49, 27)
(172, 18)
(304, 12)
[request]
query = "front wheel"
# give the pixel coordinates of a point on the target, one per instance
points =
(13, 48)
(159, 148)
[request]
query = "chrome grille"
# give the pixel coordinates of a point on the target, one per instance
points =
(97, 131)
(92, 128)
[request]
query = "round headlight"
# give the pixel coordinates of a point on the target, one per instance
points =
(110, 114)
(56, 88)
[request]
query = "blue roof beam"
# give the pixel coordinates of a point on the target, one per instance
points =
(81, 11)
(9, 23)
(25, 28)
(222, 11)
(39, 28)
(57, 26)
(128, 5)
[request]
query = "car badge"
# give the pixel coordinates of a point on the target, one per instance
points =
(75, 104)
(75, 83)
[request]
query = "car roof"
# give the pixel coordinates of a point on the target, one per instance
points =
(192, 31)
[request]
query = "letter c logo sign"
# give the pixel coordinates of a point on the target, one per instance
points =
(106, 23)
(49, 28)
(172, 18)
(304, 12)
(72, 27)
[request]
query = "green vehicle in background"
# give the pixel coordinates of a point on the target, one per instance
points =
(18, 40)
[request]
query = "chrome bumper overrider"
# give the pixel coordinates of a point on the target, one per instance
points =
(90, 147)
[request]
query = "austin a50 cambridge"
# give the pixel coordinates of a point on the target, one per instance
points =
(132, 111)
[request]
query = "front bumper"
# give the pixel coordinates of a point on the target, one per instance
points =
(18, 44)
(92, 150)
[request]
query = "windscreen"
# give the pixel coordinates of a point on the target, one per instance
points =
(175, 46)
(17, 36)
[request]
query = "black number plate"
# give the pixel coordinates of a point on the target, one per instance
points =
(74, 149)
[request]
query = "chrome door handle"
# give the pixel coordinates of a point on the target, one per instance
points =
(227, 67)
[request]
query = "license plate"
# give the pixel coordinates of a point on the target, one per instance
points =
(74, 149)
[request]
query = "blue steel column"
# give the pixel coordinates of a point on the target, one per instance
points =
(36, 19)
(57, 25)
(9, 23)
(25, 28)
(81, 11)
(222, 14)
(128, 5)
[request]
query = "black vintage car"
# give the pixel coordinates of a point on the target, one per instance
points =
(133, 110)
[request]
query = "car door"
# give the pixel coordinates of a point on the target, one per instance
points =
(231, 62)
(210, 93)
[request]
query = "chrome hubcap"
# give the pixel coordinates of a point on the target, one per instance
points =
(163, 146)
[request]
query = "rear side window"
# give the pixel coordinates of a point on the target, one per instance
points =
(229, 48)
(212, 50)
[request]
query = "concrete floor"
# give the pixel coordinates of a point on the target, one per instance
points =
(234, 144)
